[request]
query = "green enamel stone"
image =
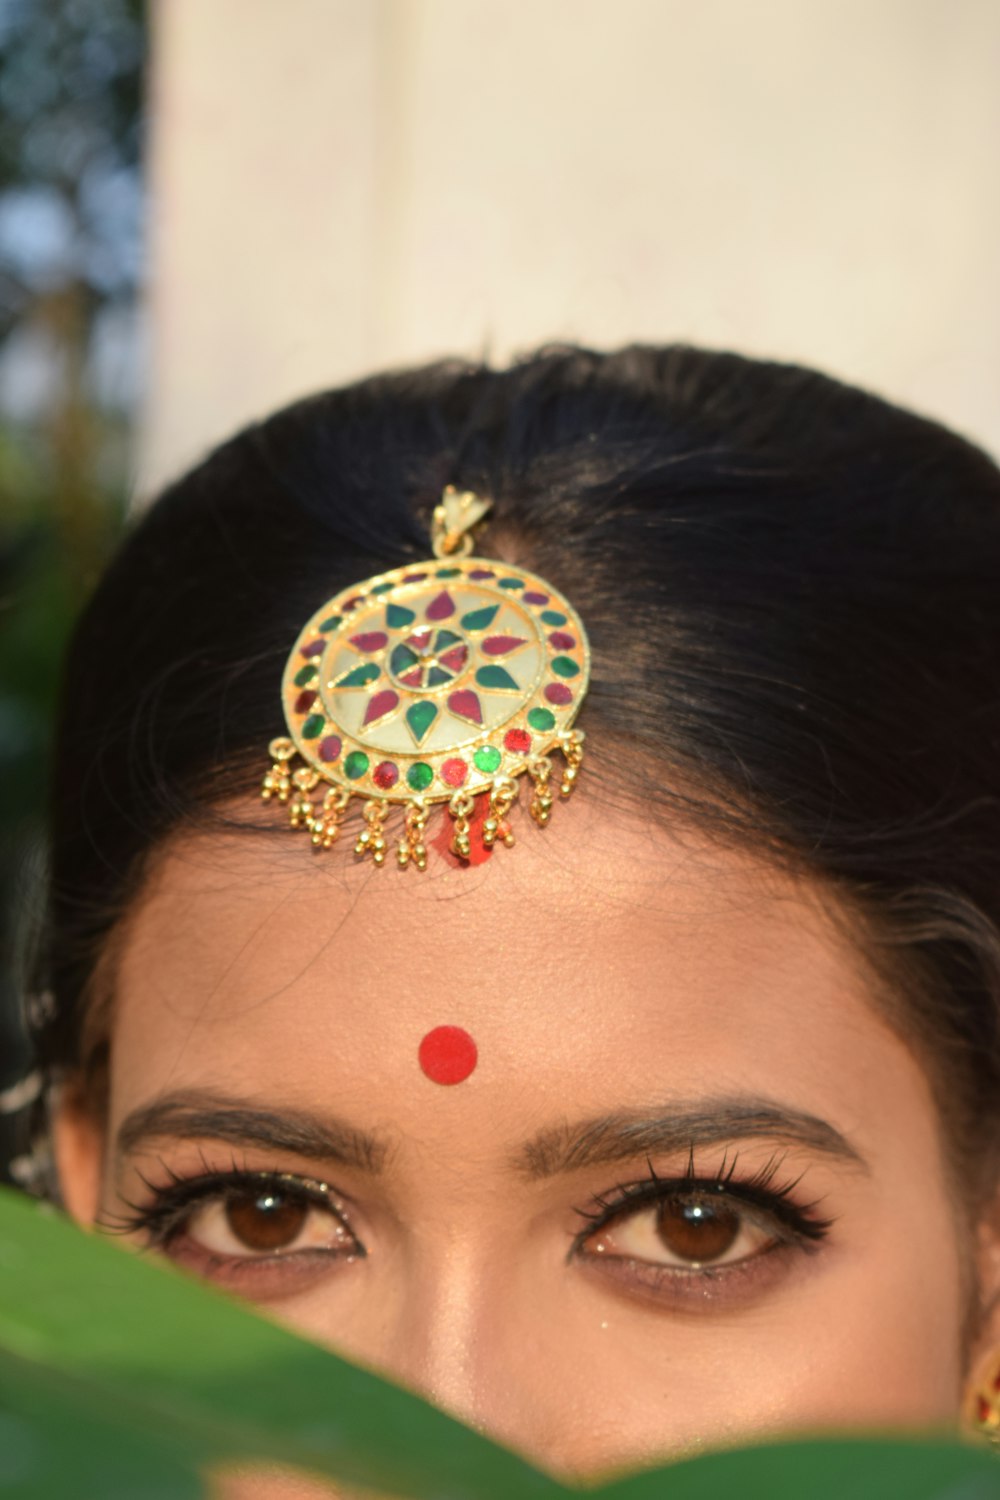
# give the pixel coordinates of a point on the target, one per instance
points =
(512, 583)
(330, 623)
(397, 616)
(437, 675)
(540, 718)
(487, 758)
(420, 716)
(420, 775)
(402, 657)
(313, 727)
(564, 666)
(445, 638)
(356, 764)
(304, 676)
(359, 676)
(480, 619)
(382, 588)
(553, 617)
(496, 677)
(447, 572)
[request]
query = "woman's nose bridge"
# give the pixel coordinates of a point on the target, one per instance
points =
(443, 1332)
(457, 1339)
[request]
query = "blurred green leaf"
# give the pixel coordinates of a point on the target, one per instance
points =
(176, 1363)
(121, 1378)
(825, 1469)
(55, 1443)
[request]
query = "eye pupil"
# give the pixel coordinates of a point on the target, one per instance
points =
(265, 1220)
(697, 1229)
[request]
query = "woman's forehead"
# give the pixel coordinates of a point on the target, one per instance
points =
(595, 966)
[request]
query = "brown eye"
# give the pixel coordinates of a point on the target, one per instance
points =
(265, 1220)
(688, 1230)
(261, 1220)
(697, 1229)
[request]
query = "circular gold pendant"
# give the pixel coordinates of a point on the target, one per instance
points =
(435, 678)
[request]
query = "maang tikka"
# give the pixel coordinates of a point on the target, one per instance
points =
(435, 682)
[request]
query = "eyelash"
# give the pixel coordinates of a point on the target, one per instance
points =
(800, 1224)
(164, 1217)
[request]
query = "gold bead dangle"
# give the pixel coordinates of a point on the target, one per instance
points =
(571, 745)
(278, 781)
(411, 845)
(540, 769)
(495, 825)
(371, 841)
(326, 824)
(300, 808)
(460, 806)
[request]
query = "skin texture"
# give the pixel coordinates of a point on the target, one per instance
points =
(603, 967)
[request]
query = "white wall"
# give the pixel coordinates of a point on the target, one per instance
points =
(346, 184)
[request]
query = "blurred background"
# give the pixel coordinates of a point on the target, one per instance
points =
(72, 369)
(210, 207)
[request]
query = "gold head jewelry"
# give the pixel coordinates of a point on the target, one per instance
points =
(434, 682)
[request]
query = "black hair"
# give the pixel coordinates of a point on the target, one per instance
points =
(792, 593)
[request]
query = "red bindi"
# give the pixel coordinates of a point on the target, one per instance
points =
(448, 1054)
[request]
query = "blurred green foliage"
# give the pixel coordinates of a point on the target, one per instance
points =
(71, 208)
(127, 1379)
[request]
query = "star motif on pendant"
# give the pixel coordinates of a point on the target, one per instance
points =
(429, 657)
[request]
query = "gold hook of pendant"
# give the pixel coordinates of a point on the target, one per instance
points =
(454, 517)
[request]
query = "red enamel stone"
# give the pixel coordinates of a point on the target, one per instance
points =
(370, 640)
(517, 739)
(466, 704)
(414, 678)
(305, 701)
(454, 771)
(329, 748)
(314, 648)
(353, 602)
(499, 645)
(413, 577)
(420, 639)
(558, 692)
(447, 1055)
(454, 659)
(385, 774)
(440, 607)
(530, 597)
(380, 704)
(562, 640)
(482, 573)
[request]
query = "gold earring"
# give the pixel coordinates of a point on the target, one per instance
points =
(981, 1407)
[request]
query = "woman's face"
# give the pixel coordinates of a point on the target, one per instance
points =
(693, 1189)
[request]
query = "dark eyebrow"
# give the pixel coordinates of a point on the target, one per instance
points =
(202, 1115)
(707, 1122)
